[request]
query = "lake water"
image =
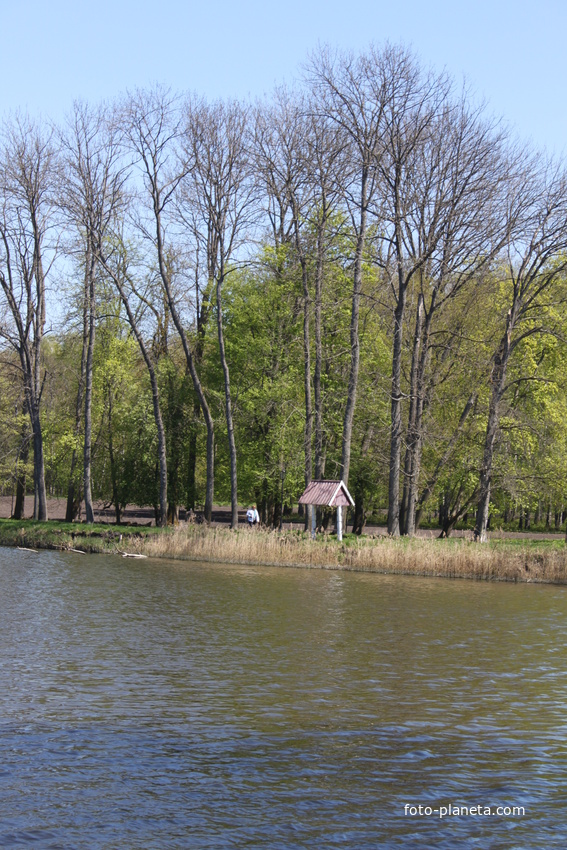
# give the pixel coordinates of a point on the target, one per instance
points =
(158, 704)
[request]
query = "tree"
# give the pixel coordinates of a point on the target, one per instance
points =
(114, 260)
(412, 102)
(325, 161)
(350, 94)
(219, 188)
(300, 158)
(452, 227)
(26, 185)
(91, 193)
(534, 263)
(263, 311)
(153, 129)
(282, 148)
(15, 435)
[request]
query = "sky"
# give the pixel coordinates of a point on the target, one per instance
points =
(510, 52)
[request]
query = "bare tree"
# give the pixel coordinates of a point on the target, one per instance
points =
(350, 92)
(536, 260)
(74, 495)
(298, 156)
(282, 162)
(413, 101)
(90, 194)
(452, 227)
(326, 154)
(153, 129)
(387, 107)
(220, 189)
(26, 184)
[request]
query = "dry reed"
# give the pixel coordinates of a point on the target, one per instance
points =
(448, 558)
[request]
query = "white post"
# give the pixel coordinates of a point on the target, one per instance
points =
(339, 523)
(313, 520)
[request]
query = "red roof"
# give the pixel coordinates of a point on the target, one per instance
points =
(330, 493)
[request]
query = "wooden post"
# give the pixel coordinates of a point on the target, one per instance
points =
(313, 520)
(339, 522)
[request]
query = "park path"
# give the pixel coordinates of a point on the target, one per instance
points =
(221, 516)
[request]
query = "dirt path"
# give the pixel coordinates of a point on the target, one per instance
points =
(56, 510)
(221, 516)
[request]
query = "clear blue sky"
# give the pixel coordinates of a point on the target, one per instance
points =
(54, 51)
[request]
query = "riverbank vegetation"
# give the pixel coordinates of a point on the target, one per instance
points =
(499, 560)
(363, 277)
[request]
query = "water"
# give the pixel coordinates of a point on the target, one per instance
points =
(149, 704)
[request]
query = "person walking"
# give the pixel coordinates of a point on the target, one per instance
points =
(252, 516)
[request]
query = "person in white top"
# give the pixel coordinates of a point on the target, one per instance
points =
(252, 516)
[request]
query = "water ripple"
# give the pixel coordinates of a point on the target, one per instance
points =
(152, 705)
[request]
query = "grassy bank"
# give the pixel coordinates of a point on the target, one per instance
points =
(69, 536)
(499, 560)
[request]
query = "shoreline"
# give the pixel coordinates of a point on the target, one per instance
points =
(512, 560)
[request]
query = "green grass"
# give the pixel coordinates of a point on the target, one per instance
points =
(526, 543)
(53, 534)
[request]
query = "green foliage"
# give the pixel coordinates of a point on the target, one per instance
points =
(263, 341)
(263, 314)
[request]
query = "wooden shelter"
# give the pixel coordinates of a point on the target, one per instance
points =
(330, 494)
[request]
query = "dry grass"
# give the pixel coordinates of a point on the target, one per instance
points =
(498, 561)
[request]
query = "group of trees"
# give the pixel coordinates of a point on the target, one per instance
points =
(361, 278)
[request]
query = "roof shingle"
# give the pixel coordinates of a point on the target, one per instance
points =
(330, 493)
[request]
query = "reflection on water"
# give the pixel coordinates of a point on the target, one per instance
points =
(169, 705)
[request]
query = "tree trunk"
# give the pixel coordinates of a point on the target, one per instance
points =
(161, 519)
(21, 462)
(210, 485)
(407, 509)
(192, 460)
(359, 519)
(228, 408)
(40, 495)
(87, 454)
(451, 516)
(443, 460)
(396, 420)
(113, 477)
(73, 503)
(318, 399)
(415, 437)
(20, 503)
(162, 452)
(354, 336)
(308, 428)
(498, 379)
